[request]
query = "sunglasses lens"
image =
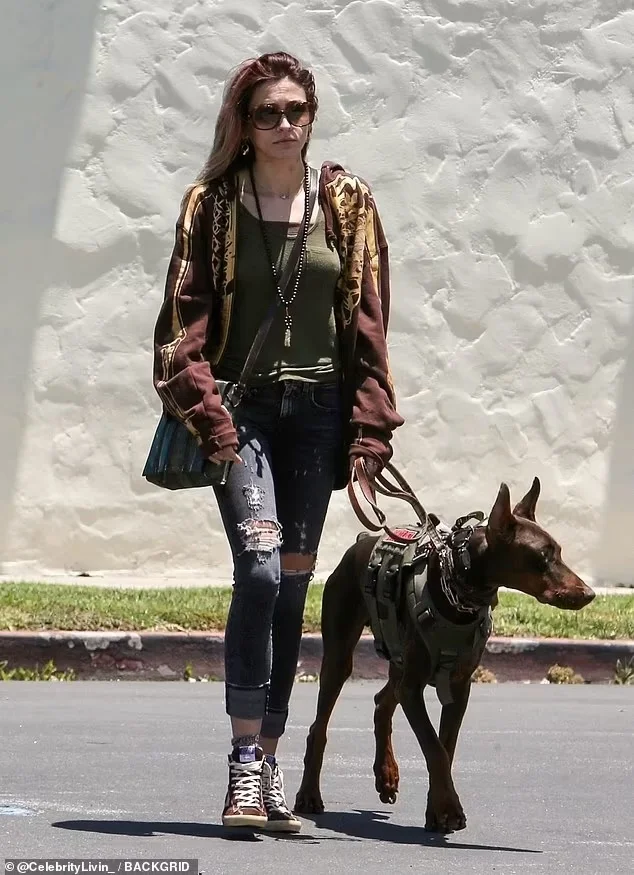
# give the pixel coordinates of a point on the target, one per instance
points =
(266, 117)
(298, 114)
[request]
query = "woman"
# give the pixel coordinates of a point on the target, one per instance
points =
(320, 394)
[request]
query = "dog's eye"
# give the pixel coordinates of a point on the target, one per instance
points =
(542, 560)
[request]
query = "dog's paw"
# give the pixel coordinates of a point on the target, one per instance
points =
(308, 802)
(445, 822)
(445, 816)
(386, 785)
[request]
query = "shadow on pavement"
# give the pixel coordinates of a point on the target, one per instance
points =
(354, 825)
(376, 825)
(155, 828)
(201, 830)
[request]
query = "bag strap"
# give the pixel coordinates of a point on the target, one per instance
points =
(238, 389)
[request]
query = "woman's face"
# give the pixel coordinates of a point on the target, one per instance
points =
(284, 140)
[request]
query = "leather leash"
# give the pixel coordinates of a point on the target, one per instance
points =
(401, 490)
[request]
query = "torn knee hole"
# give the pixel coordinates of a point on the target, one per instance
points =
(261, 536)
(298, 563)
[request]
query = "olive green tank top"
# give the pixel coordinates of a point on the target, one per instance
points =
(313, 353)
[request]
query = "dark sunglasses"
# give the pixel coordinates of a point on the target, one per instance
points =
(268, 116)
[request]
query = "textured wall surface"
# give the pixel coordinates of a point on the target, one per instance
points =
(497, 135)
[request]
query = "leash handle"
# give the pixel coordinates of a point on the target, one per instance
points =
(365, 521)
(360, 476)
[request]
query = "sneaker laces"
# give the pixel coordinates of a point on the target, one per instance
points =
(273, 787)
(245, 781)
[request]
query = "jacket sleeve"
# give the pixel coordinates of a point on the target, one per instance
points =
(374, 415)
(182, 376)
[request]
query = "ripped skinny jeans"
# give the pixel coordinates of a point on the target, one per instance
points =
(273, 505)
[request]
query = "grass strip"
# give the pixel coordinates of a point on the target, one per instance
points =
(39, 606)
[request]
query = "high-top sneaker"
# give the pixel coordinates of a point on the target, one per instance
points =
(279, 816)
(243, 803)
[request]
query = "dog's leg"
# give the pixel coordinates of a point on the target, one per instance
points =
(444, 812)
(451, 717)
(343, 618)
(385, 765)
(336, 668)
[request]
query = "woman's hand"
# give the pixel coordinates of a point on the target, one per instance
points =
(226, 454)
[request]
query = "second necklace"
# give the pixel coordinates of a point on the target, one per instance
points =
(288, 319)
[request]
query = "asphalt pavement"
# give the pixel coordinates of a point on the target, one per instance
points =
(133, 769)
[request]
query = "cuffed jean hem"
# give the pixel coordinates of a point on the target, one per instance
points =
(274, 724)
(246, 703)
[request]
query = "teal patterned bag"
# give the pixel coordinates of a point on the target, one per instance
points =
(176, 461)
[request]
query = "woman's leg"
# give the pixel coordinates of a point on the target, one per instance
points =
(248, 509)
(305, 449)
(305, 455)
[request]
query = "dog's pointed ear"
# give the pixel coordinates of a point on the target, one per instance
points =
(501, 524)
(526, 507)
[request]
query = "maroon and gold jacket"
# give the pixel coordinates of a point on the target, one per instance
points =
(193, 324)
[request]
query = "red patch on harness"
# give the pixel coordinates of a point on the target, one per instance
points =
(405, 535)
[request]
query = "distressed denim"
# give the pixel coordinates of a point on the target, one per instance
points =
(290, 436)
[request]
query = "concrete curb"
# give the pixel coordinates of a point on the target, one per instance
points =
(165, 655)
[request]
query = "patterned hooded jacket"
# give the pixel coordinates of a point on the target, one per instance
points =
(193, 324)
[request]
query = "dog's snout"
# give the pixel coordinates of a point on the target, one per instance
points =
(587, 596)
(574, 597)
(581, 593)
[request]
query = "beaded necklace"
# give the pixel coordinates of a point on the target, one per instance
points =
(288, 319)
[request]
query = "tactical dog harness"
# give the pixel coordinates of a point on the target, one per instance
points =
(397, 576)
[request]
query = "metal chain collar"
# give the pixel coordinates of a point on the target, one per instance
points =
(448, 573)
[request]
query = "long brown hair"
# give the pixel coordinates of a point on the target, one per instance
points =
(226, 152)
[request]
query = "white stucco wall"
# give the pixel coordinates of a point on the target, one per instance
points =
(498, 137)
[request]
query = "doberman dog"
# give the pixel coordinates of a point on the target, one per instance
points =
(510, 550)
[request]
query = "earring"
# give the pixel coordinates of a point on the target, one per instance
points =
(245, 147)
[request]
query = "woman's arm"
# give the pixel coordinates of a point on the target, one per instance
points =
(182, 377)
(374, 414)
